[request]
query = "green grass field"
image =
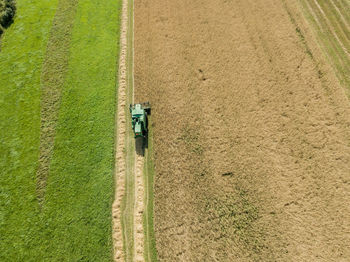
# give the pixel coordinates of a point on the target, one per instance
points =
(74, 222)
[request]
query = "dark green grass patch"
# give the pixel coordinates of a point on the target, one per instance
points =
(7, 13)
(52, 80)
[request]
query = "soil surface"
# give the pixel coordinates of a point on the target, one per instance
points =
(251, 133)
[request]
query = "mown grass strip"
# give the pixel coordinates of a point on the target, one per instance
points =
(329, 43)
(336, 22)
(52, 80)
(344, 9)
(340, 14)
(327, 25)
(21, 58)
(79, 190)
(345, 4)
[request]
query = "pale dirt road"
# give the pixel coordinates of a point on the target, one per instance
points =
(127, 197)
(251, 133)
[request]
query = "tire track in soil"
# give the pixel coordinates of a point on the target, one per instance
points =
(52, 80)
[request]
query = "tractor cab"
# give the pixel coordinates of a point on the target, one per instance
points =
(139, 119)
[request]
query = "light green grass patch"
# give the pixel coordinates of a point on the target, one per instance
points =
(80, 185)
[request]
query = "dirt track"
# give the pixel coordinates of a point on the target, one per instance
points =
(128, 205)
(251, 133)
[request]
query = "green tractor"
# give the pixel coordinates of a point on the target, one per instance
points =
(139, 119)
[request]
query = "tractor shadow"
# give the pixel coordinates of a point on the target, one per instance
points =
(141, 143)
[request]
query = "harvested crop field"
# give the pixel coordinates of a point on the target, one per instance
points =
(251, 132)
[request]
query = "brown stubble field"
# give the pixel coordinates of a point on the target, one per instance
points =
(251, 132)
